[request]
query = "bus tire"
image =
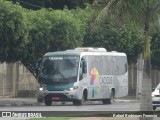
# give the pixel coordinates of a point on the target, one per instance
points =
(48, 102)
(85, 95)
(77, 102)
(110, 100)
(154, 107)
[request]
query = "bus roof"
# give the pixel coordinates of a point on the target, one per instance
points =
(86, 51)
(67, 52)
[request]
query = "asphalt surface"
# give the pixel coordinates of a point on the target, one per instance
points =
(7, 101)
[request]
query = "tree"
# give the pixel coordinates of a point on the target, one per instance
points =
(55, 4)
(26, 35)
(130, 41)
(126, 39)
(143, 12)
(53, 30)
(13, 32)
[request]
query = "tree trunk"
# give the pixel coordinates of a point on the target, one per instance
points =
(146, 90)
(146, 98)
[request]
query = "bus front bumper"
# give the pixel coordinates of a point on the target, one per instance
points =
(57, 95)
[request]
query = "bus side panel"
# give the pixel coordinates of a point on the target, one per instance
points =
(120, 73)
(121, 86)
(99, 89)
(99, 85)
(104, 73)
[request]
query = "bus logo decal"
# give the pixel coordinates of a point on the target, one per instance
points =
(94, 76)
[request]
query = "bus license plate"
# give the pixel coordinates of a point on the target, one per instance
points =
(55, 98)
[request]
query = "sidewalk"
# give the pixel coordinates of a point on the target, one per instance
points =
(127, 99)
(7, 101)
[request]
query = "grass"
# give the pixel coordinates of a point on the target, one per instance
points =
(52, 118)
(98, 115)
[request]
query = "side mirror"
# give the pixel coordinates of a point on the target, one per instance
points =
(38, 65)
(153, 89)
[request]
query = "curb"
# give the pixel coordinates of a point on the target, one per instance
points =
(124, 100)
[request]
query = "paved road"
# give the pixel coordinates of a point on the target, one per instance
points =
(68, 109)
(89, 106)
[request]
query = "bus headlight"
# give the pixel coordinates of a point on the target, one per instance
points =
(73, 88)
(41, 89)
(153, 95)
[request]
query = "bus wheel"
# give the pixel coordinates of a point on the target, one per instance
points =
(110, 100)
(154, 107)
(48, 102)
(77, 102)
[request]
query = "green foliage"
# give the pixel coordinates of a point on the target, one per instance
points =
(26, 35)
(55, 4)
(127, 40)
(105, 36)
(12, 31)
(155, 48)
(143, 12)
(54, 30)
(130, 41)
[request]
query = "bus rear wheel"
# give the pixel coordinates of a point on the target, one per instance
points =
(110, 100)
(77, 102)
(154, 107)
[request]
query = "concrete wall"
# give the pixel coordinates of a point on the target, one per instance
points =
(15, 78)
(155, 76)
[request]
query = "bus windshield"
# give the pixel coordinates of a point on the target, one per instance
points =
(59, 69)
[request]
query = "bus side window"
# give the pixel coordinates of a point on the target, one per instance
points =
(126, 67)
(83, 69)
